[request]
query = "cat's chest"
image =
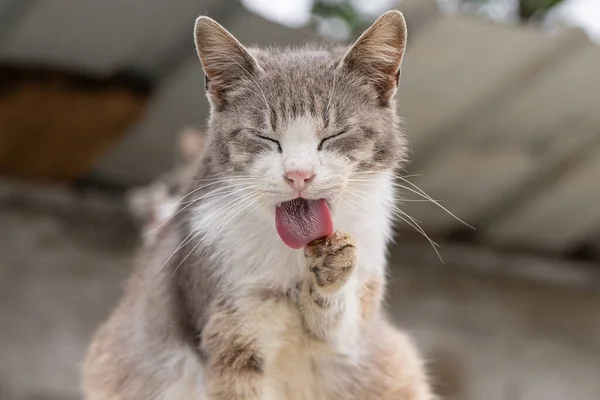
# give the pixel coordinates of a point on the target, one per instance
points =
(268, 263)
(295, 361)
(297, 364)
(296, 374)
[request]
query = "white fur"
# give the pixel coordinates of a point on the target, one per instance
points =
(254, 257)
(190, 384)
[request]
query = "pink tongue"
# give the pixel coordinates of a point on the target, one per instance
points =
(301, 221)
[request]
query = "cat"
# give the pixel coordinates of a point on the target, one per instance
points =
(152, 205)
(268, 281)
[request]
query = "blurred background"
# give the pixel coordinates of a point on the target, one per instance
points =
(501, 101)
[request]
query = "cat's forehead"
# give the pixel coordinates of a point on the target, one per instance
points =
(303, 81)
(301, 58)
(289, 67)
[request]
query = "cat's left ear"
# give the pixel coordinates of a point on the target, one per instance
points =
(378, 53)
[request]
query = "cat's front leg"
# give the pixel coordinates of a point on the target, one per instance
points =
(234, 362)
(328, 297)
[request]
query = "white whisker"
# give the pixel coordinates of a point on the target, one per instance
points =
(351, 202)
(366, 181)
(398, 213)
(420, 192)
(412, 223)
(217, 192)
(230, 218)
(195, 230)
(241, 200)
(227, 178)
(425, 195)
(238, 203)
(192, 202)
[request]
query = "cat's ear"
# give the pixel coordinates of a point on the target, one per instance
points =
(378, 52)
(224, 59)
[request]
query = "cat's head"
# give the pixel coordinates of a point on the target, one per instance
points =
(303, 122)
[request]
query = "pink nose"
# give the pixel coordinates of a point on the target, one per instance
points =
(298, 180)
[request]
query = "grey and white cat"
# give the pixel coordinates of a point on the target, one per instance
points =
(268, 282)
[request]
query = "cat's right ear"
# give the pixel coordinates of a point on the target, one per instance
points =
(224, 59)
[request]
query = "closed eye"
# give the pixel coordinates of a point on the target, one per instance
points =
(331, 137)
(268, 139)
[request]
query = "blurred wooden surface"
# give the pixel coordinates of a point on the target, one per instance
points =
(55, 125)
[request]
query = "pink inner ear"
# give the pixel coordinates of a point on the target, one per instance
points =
(225, 60)
(378, 53)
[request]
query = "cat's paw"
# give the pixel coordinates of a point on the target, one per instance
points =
(331, 260)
